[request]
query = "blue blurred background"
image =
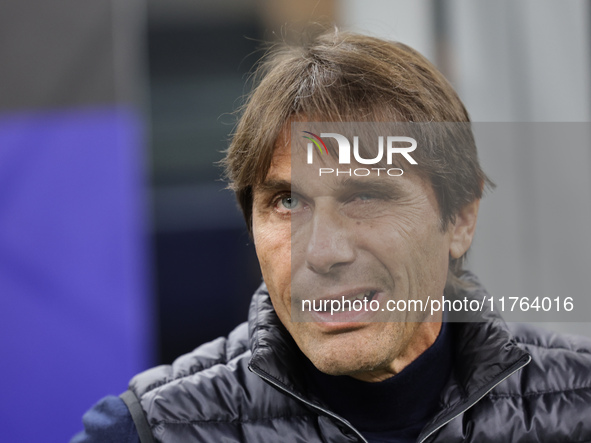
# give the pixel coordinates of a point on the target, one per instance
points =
(120, 248)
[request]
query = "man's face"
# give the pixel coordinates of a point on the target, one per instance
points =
(344, 236)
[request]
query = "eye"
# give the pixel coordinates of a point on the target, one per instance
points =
(365, 197)
(287, 203)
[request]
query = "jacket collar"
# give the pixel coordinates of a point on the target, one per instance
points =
(485, 353)
(274, 352)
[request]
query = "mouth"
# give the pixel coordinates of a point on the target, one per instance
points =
(365, 296)
(347, 309)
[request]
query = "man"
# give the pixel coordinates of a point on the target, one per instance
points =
(381, 238)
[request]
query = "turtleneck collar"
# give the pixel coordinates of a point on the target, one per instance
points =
(400, 405)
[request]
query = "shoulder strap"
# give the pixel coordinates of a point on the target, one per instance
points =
(139, 418)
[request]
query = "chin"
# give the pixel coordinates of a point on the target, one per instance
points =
(363, 350)
(343, 360)
(336, 367)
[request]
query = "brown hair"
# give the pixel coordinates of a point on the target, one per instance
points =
(341, 76)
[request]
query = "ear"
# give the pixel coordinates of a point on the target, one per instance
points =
(462, 230)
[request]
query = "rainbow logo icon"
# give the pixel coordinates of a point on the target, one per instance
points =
(316, 142)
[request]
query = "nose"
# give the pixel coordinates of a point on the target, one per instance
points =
(330, 244)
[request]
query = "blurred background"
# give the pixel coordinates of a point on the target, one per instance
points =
(120, 248)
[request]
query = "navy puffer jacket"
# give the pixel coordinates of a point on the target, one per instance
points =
(516, 384)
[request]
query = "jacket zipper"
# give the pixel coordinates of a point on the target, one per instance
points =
(472, 403)
(339, 419)
(303, 400)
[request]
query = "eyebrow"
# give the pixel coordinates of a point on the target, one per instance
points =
(269, 186)
(343, 186)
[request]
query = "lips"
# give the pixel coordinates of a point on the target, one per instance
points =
(348, 308)
(355, 294)
(369, 294)
(361, 296)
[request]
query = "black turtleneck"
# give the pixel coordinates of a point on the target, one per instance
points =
(394, 410)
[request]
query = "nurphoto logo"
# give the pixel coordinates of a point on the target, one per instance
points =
(392, 147)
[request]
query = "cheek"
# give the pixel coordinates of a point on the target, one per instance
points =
(273, 250)
(434, 260)
(419, 249)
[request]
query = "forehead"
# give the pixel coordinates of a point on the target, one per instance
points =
(281, 158)
(289, 169)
